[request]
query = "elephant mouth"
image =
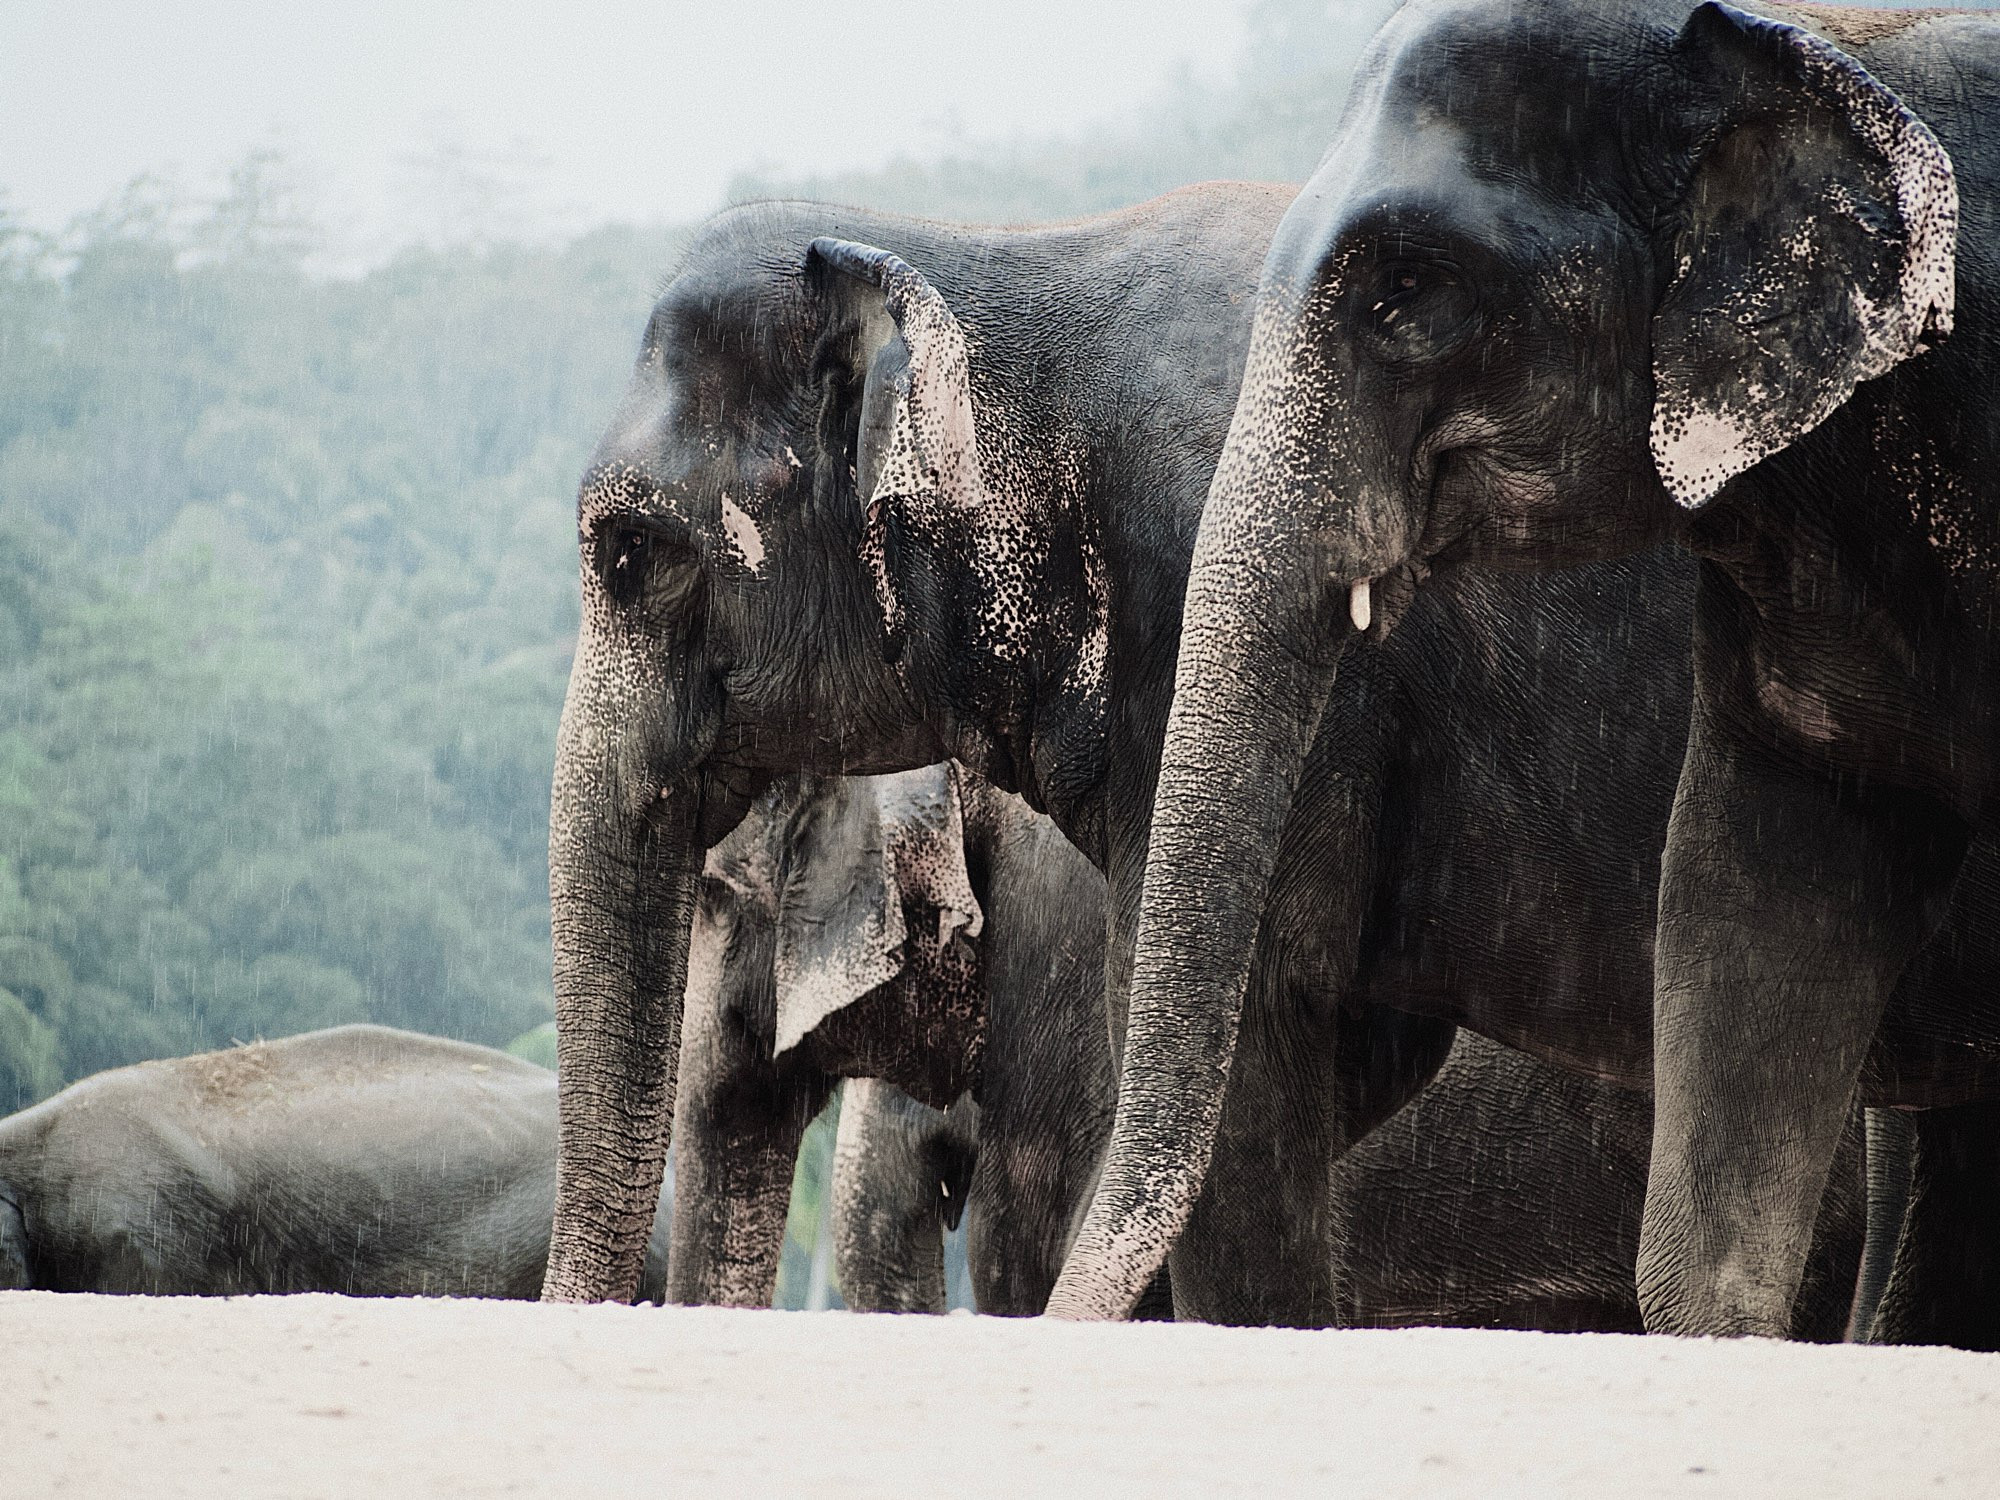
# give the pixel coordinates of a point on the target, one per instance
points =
(1465, 471)
(1376, 604)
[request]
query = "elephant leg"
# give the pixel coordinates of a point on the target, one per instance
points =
(738, 1122)
(1038, 1160)
(15, 1274)
(1305, 1085)
(1945, 1286)
(1786, 914)
(1039, 1153)
(901, 1174)
(1823, 1311)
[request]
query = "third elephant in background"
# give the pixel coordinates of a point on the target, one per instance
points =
(921, 929)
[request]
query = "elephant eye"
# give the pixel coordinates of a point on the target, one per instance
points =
(1400, 287)
(631, 556)
(1417, 310)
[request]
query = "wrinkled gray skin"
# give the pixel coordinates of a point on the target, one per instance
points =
(360, 1160)
(1507, 1195)
(898, 1169)
(921, 929)
(1578, 275)
(866, 506)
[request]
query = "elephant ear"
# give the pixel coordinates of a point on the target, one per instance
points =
(863, 854)
(745, 862)
(917, 451)
(1817, 249)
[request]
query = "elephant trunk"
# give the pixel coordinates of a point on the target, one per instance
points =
(1241, 724)
(623, 864)
(1279, 585)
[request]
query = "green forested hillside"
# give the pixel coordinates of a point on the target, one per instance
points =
(286, 605)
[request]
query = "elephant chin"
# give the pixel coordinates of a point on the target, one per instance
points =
(623, 890)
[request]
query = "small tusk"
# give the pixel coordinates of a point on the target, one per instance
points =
(1357, 604)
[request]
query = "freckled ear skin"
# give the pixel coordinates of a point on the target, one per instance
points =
(862, 853)
(1816, 248)
(13, 1243)
(915, 453)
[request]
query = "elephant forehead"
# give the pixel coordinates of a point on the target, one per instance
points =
(914, 795)
(1451, 71)
(618, 488)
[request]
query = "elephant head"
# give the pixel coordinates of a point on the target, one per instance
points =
(847, 900)
(801, 505)
(1569, 268)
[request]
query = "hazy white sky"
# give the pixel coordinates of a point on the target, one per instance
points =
(603, 108)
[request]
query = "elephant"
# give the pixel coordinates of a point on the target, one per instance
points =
(1575, 279)
(940, 945)
(882, 492)
(360, 1160)
(926, 937)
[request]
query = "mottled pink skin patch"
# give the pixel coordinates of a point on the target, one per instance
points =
(743, 535)
(1703, 438)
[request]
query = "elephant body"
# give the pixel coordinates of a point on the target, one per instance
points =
(1508, 1194)
(359, 1160)
(884, 490)
(1578, 276)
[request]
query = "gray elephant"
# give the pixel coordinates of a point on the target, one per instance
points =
(359, 1160)
(1578, 276)
(918, 928)
(923, 934)
(882, 491)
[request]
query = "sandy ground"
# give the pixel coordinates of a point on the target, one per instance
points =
(322, 1396)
